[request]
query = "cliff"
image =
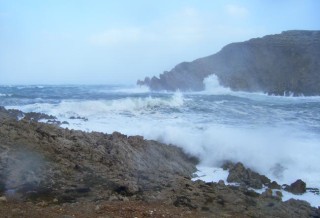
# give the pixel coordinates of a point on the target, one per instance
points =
(286, 62)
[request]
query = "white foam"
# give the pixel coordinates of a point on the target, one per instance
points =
(135, 90)
(215, 174)
(89, 108)
(210, 174)
(310, 197)
(284, 153)
(259, 149)
(5, 95)
(212, 86)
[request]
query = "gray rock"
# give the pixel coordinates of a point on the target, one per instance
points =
(276, 64)
(298, 187)
(45, 163)
(274, 185)
(239, 174)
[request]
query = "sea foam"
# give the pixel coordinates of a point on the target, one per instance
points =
(275, 136)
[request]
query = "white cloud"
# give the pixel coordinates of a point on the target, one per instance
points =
(237, 11)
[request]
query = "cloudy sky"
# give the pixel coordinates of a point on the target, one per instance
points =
(107, 42)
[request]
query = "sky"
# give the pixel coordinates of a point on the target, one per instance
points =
(118, 42)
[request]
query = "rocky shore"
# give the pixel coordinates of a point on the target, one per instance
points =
(276, 64)
(49, 171)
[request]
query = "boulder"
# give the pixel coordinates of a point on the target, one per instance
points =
(239, 174)
(298, 187)
(274, 185)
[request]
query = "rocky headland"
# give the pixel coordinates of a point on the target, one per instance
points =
(276, 64)
(46, 170)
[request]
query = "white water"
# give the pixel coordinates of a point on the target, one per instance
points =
(275, 136)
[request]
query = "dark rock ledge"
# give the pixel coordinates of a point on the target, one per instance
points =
(250, 179)
(43, 164)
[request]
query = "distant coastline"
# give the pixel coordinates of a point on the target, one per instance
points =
(276, 64)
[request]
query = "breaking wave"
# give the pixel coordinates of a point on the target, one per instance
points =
(212, 86)
(90, 108)
(274, 135)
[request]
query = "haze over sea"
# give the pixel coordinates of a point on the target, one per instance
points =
(275, 135)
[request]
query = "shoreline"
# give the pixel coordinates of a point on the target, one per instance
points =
(69, 166)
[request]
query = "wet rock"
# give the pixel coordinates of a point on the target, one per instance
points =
(10, 114)
(78, 118)
(61, 166)
(221, 183)
(298, 187)
(239, 174)
(274, 185)
(313, 190)
(38, 116)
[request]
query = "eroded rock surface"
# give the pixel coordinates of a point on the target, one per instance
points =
(51, 166)
(298, 187)
(275, 64)
(239, 174)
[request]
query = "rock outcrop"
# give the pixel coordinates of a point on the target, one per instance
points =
(40, 159)
(45, 167)
(298, 187)
(239, 174)
(275, 64)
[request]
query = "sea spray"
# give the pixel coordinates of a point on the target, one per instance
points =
(276, 136)
(212, 86)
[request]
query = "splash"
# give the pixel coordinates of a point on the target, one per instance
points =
(212, 86)
(274, 135)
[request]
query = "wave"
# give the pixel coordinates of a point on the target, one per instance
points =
(213, 87)
(5, 95)
(89, 108)
(266, 133)
(131, 90)
(283, 154)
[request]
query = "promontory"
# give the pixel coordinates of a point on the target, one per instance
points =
(275, 64)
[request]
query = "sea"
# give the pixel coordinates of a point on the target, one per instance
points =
(278, 136)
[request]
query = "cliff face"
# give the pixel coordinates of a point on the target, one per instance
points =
(286, 62)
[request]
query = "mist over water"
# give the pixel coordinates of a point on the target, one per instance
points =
(276, 136)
